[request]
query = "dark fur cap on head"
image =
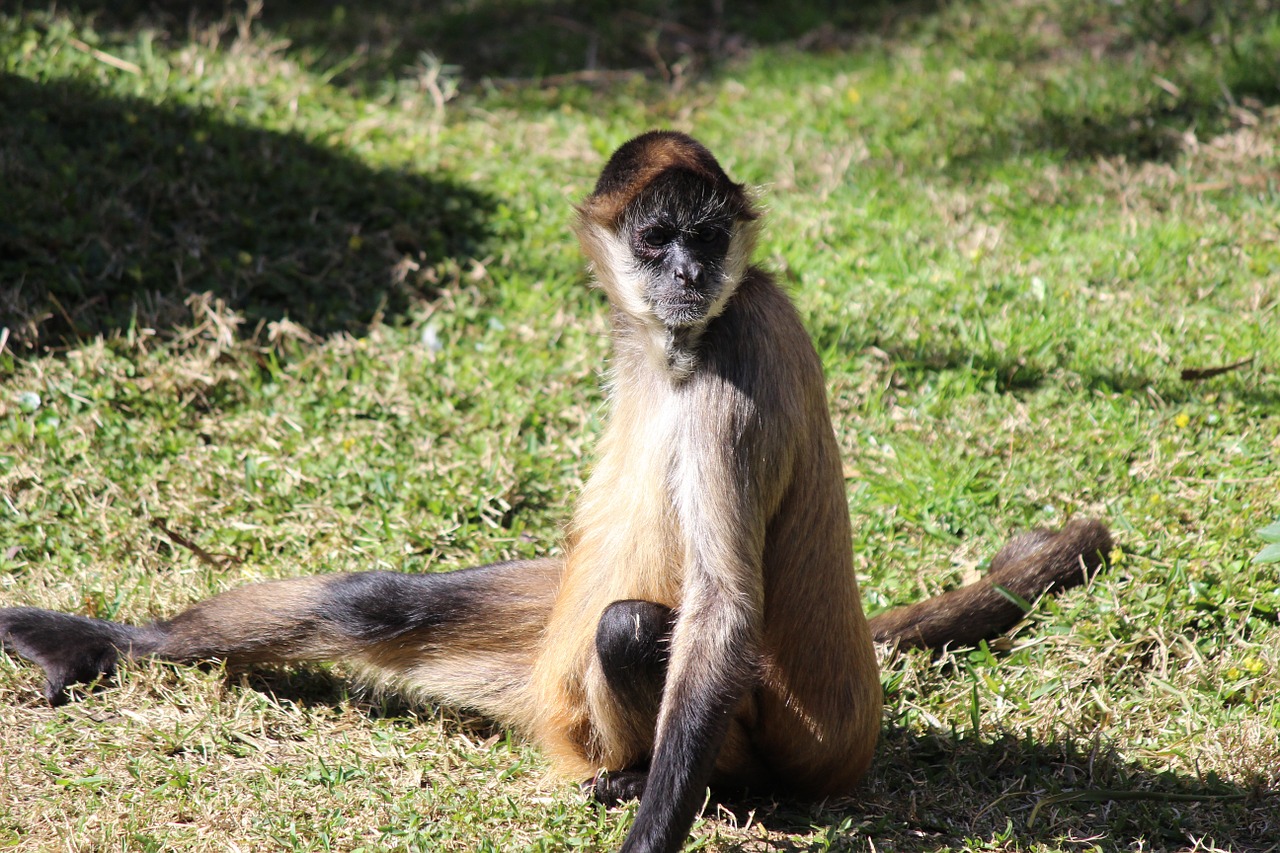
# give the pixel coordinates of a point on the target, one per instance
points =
(639, 163)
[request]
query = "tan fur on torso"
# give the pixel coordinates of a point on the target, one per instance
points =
(624, 543)
(813, 720)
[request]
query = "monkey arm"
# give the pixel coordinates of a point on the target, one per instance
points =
(715, 642)
(712, 667)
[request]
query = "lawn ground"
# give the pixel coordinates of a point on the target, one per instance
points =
(291, 289)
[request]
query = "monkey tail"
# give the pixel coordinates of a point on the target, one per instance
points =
(1029, 566)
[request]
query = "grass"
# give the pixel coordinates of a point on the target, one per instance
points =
(291, 290)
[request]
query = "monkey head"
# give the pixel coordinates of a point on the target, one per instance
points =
(668, 233)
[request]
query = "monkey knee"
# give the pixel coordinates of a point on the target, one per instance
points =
(631, 641)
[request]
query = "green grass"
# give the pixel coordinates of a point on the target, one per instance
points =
(296, 286)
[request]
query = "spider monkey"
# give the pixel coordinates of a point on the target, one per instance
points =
(703, 626)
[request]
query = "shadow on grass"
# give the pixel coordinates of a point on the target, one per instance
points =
(1013, 373)
(1135, 132)
(514, 39)
(117, 210)
(324, 688)
(938, 790)
(945, 790)
(1153, 122)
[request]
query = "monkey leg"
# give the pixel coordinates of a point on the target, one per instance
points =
(632, 645)
(466, 637)
(70, 649)
(632, 648)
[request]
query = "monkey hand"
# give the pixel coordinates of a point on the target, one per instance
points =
(70, 649)
(611, 788)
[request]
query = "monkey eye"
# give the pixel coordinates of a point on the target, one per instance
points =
(654, 238)
(707, 234)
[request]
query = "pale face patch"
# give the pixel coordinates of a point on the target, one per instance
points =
(671, 317)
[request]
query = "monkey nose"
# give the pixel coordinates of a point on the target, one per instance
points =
(689, 273)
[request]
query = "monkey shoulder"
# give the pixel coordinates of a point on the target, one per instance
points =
(760, 346)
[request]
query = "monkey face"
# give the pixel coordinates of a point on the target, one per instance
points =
(669, 236)
(684, 269)
(680, 237)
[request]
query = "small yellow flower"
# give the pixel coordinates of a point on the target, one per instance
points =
(853, 95)
(1182, 420)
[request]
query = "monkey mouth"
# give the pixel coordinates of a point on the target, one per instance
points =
(676, 315)
(680, 307)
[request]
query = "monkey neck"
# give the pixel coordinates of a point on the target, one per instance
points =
(680, 351)
(643, 349)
